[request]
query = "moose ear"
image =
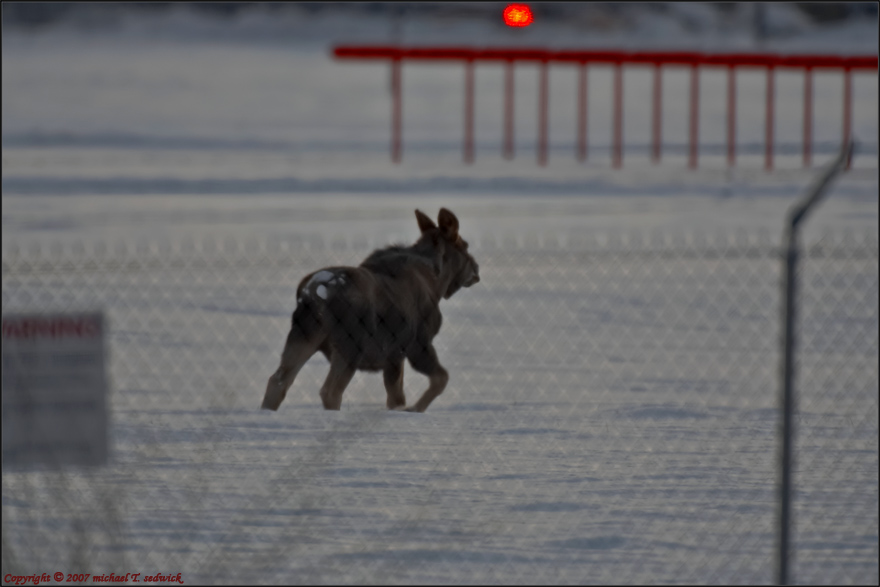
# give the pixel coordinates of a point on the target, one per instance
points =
(425, 223)
(448, 224)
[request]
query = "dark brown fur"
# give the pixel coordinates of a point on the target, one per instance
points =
(374, 316)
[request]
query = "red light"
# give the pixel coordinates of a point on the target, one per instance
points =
(518, 15)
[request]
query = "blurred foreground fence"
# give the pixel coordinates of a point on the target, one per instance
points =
(611, 417)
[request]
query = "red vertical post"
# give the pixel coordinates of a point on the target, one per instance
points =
(617, 146)
(808, 115)
(542, 116)
(396, 108)
(695, 115)
(731, 115)
(768, 140)
(657, 113)
(847, 111)
(507, 149)
(469, 111)
(582, 112)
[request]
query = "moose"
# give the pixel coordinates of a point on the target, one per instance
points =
(374, 316)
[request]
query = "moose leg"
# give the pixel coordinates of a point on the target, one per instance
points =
(426, 362)
(393, 377)
(337, 380)
(297, 350)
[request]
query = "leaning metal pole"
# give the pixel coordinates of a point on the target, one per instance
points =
(795, 216)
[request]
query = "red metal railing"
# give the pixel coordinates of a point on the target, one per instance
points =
(731, 61)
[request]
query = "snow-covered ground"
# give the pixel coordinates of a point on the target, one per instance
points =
(611, 410)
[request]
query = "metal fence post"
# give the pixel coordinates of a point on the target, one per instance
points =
(795, 216)
(769, 122)
(808, 115)
(693, 129)
(582, 111)
(508, 110)
(543, 104)
(396, 111)
(469, 111)
(656, 114)
(731, 115)
(617, 140)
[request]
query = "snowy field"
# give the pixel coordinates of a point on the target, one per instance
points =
(611, 413)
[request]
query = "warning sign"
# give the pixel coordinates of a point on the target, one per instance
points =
(54, 390)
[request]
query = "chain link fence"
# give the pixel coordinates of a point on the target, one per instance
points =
(611, 417)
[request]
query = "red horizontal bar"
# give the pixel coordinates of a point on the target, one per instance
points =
(656, 58)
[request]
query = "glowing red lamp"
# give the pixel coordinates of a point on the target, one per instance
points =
(518, 15)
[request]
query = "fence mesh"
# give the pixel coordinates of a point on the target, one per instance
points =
(611, 417)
